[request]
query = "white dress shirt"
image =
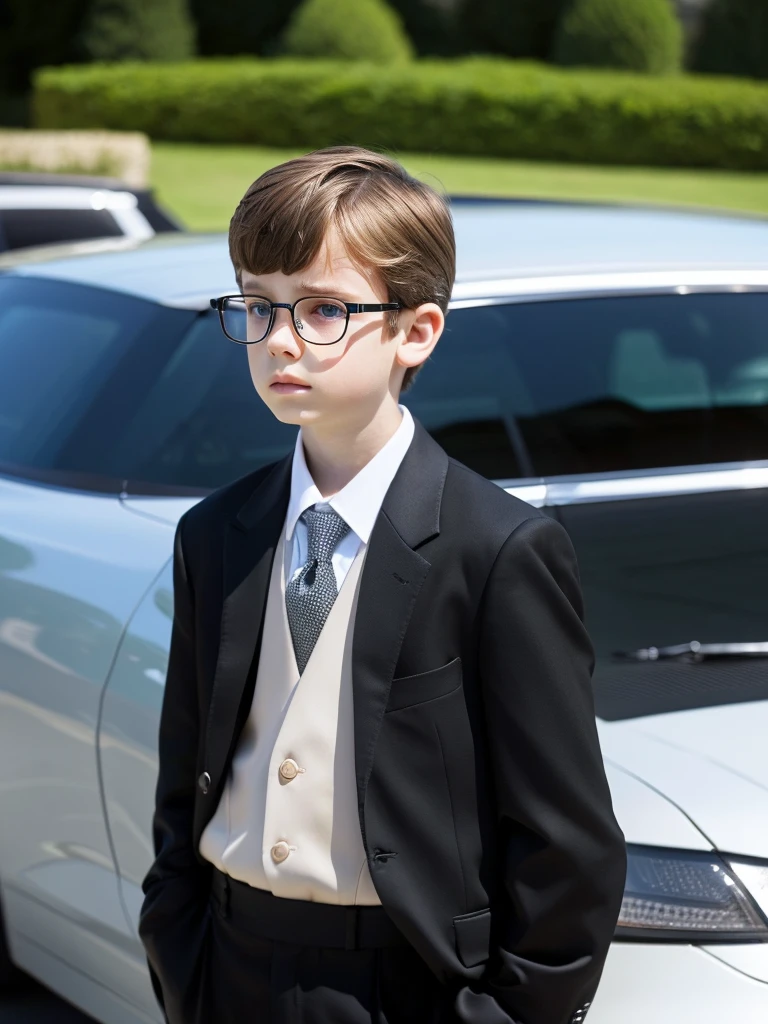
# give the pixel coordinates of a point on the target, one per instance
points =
(358, 502)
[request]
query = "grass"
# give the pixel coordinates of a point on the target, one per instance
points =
(203, 184)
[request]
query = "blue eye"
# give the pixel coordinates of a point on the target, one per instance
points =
(260, 310)
(330, 311)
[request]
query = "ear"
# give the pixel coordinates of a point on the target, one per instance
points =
(421, 333)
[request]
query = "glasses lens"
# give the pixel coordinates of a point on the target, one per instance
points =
(246, 318)
(320, 320)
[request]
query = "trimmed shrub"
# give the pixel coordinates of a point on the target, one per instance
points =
(347, 29)
(733, 39)
(138, 30)
(477, 106)
(639, 35)
(516, 28)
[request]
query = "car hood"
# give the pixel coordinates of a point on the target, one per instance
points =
(712, 763)
(166, 510)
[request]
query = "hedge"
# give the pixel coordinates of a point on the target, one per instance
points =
(478, 106)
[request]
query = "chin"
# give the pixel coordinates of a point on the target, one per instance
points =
(282, 411)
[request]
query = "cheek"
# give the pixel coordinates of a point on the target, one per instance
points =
(366, 362)
(360, 372)
(257, 366)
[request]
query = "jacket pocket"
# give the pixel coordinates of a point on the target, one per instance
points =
(407, 691)
(473, 936)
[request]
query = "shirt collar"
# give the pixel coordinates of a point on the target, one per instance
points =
(359, 501)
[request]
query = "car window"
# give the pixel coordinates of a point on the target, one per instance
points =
(470, 395)
(71, 358)
(600, 385)
(21, 228)
(101, 383)
(201, 424)
(513, 391)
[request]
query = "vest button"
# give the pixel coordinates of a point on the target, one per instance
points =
(204, 782)
(289, 769)
(280, 851)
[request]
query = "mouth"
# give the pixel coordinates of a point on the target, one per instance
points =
(286, 387)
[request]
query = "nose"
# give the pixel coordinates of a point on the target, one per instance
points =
(283, 337)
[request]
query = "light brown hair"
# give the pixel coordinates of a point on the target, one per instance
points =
(388, 221)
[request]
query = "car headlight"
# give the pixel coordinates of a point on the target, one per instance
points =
(693, 896)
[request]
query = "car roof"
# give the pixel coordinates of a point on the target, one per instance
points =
(37, 178)
(65, 197)
(507, 243)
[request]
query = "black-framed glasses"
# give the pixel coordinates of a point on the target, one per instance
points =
(318, 319)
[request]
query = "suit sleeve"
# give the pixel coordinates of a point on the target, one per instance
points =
(562, 853)
(173, 912)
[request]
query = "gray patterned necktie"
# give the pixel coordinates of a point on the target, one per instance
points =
(309, 596)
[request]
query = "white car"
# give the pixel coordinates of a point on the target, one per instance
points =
(46, 209)
(618, 379)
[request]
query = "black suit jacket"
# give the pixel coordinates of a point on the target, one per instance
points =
(484, 807)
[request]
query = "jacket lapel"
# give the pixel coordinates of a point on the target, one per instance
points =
(391, 578)
(249, 548)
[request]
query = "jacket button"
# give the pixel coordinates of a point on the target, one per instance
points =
(204, 782)
(280, 851)
(289, 769)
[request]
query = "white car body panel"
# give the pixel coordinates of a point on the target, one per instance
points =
(723, 799)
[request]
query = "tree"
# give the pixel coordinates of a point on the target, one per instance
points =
(517, 28)
(37, 32)
(347, 30)
(138, 30)
(240, 26)
(433, 25)
(733, 39)
(639, 35)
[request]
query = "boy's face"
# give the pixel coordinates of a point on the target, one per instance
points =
(346, 383)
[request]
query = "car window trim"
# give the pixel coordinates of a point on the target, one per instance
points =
(548, 288)
(581, 489)
(564, 287)
(666, 482)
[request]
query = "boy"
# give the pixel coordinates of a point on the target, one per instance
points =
(381, 794)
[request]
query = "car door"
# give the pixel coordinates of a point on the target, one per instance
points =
(73, 565)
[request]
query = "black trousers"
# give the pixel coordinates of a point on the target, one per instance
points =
(276, 961)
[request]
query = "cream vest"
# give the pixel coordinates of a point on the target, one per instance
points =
(287, 820)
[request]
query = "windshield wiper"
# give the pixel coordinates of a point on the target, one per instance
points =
(695, 651)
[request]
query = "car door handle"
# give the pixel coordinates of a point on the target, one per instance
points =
(695, 651)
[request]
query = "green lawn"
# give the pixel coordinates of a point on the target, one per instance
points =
(203, 184)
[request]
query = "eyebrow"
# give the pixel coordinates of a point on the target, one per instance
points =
(323, 288)
(319, 288)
